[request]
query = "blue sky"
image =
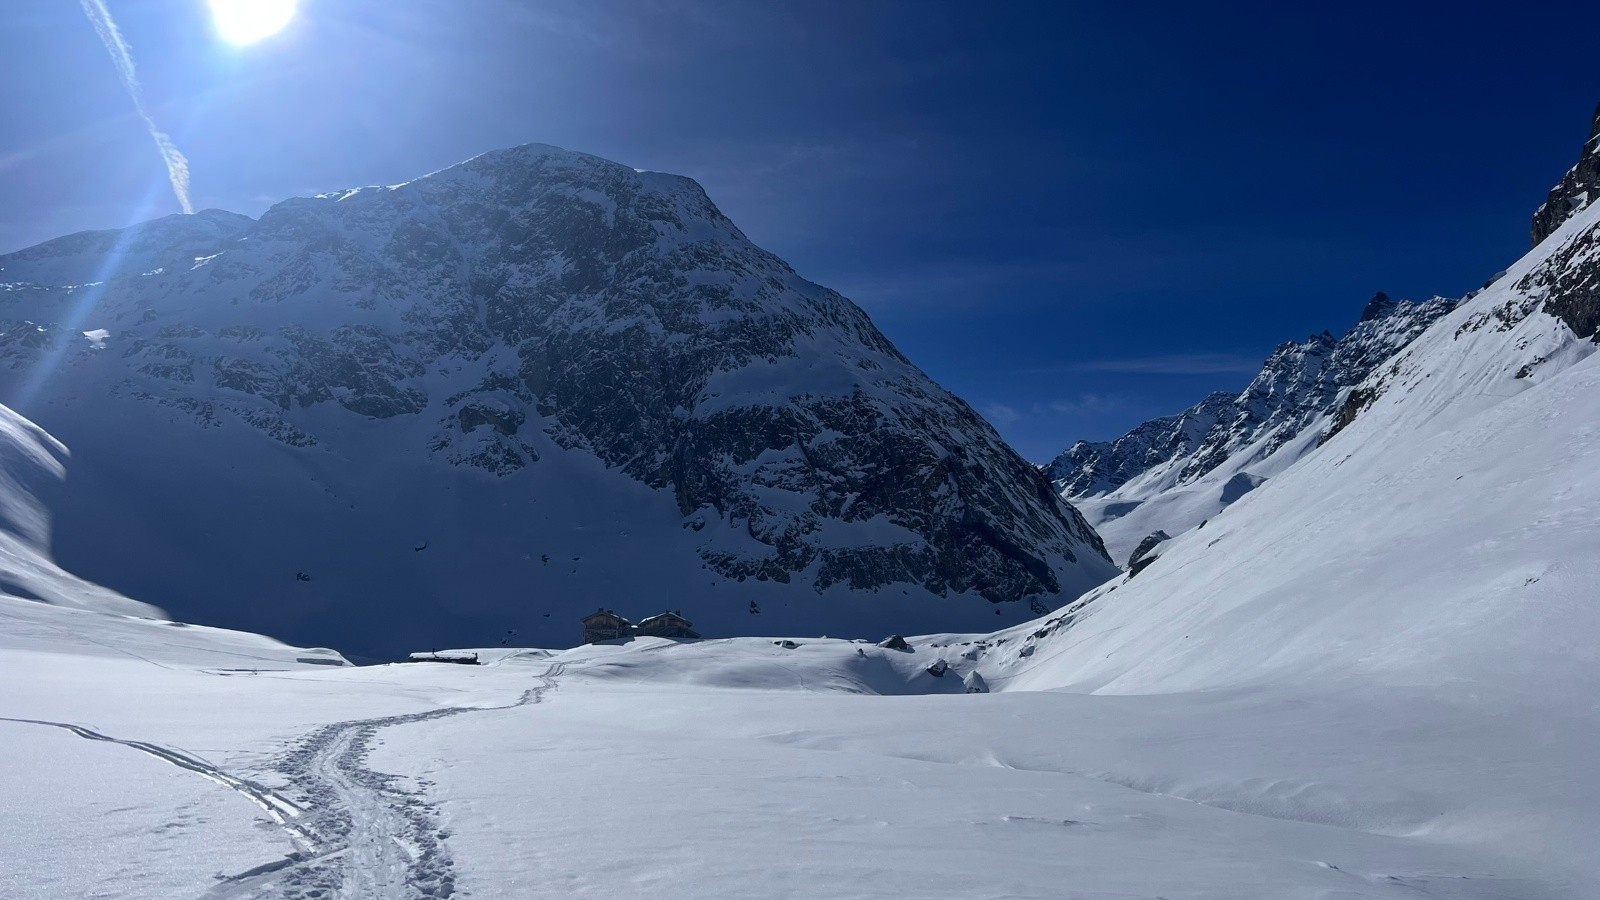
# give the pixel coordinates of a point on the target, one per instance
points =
(1076, 216)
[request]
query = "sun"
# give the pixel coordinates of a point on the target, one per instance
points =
(248, 21)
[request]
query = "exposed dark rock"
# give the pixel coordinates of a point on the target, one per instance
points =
(1145, 547)
(1359, 399)
(938, 668)
(1570, 284)
(1381, 306)
(1576, 190)
(895, 642)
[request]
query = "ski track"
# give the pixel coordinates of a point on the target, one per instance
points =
(358, 834)
(374, 838)
(280, 810)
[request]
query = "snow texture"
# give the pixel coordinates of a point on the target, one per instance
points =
(1371, 676)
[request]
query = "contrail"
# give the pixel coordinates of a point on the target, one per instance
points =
(122, 55)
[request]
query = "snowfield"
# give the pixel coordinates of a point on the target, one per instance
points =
(739, 768)
(1374, 676)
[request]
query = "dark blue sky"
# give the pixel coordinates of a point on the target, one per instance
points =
(1077, 216)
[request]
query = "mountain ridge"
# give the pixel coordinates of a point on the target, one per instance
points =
(1209, 455)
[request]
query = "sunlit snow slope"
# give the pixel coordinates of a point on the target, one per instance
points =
(1443, 547)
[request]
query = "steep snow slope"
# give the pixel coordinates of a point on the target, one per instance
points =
(1441, 546)
(498, 396)
(30, 459)
(1173, 473)
(1459, 506)
(44, 608)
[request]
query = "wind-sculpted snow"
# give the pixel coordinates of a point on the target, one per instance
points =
(1172, 473)
(537, 342)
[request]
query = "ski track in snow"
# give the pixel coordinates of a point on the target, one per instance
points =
(358, 834)
(279, 809)
(373, 838)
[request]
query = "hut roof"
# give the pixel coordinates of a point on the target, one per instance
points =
(603, 615)
(672, 617)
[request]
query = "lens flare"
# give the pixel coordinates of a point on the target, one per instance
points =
(248, 21)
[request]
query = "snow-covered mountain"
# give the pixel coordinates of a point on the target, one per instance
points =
(495, 397)
(1172, 473)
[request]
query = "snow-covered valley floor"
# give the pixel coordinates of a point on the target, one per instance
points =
(192, 763)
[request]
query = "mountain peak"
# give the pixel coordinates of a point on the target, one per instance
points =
(586, 369)
(1576, 190)
(1380, 306)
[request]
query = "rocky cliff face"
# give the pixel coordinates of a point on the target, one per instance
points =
(506, 329)
(1173, 473)
(1092, 468)
(1576, 190)
(1299, 383)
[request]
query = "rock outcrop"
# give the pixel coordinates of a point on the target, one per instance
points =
(1576, 190)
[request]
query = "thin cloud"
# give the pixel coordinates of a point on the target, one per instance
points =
(122, 55)
(1170, 364)
(1005, 414)
(1001, 414)
(947, 285)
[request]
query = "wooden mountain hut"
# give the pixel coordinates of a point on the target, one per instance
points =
(605, 625)
(667, 625)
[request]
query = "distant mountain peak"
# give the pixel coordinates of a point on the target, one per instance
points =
(1380, 306)
(1301, 382)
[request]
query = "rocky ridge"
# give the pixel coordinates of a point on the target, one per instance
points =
(1576, 190)
(1299, 383)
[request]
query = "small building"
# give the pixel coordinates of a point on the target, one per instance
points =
(459, 657)
(605, 625)
(666, 625)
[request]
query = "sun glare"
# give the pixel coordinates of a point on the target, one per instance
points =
(247, 21)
